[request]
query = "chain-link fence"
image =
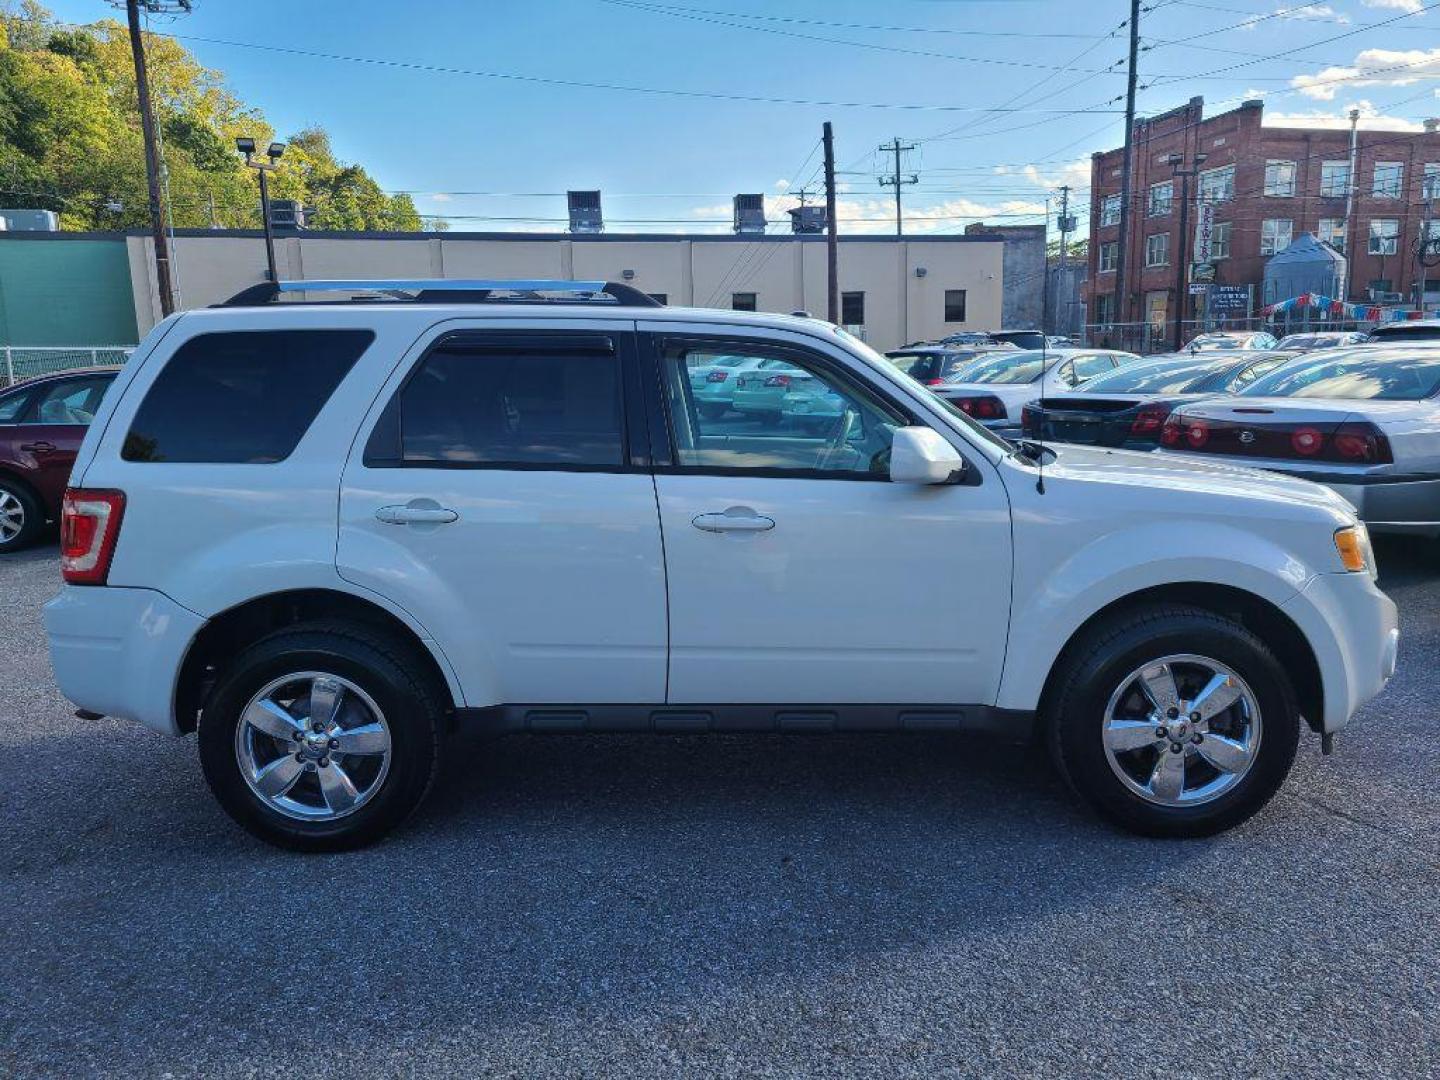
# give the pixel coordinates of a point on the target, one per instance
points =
(18, 363)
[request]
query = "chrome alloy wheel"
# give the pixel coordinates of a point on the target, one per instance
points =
(1181, 730)
(313, 746)
(12, 517)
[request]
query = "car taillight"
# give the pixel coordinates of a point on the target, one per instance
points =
(983, 407)
(1361, 442)
(1307, 441)
(934, 382)
(1197, 434)
(1149, 420)
(89, 527)
(1172, 432)
(1030, 419)
(778, 380)
(717, 376)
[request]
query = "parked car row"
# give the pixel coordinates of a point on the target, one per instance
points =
(1364, 420)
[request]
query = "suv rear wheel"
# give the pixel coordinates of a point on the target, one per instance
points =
(322, 737)
(1174, 721)
(21, 517)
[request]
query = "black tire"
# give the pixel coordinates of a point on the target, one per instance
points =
(388, 671)
(1074, 714)
(769, 419)
(34, 516)
(711, 411)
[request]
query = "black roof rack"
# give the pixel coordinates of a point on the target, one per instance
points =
(454, 291)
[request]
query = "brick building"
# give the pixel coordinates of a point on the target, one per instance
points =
(1268, 185)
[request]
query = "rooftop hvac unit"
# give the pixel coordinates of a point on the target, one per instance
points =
(749, 213)
(287, 215)
(30, 220)
(807, 219)
(585, 212)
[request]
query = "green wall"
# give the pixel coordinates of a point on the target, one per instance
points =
(65, 292)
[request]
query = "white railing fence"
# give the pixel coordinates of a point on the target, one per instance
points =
(20, 362)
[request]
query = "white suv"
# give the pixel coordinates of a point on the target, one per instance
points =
(324, 534)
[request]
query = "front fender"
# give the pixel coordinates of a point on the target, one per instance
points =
(1053, 601)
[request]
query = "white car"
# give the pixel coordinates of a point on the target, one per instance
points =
(1364, 421)
(996, 390)
(323, 536)
(1232, 339)
(713, 379)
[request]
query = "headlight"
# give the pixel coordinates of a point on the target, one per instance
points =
(1353, 545)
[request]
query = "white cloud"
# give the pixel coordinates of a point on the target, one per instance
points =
(877, 214)
(782, 185)
(1396, 5)
(440, 196)
(1307, 12)
(1075, 173)
(1372, 67)
(1371, 119)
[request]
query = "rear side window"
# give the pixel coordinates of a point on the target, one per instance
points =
(243, 397)
(11, 406)
(547, 402)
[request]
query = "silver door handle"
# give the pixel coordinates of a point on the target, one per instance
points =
(733, 520)
(416, 515)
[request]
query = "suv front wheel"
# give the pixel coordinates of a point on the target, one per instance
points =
(1173, 721)
(322, 737)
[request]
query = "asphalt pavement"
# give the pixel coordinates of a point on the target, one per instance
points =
(720, 906)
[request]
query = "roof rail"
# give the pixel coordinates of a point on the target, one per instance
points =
(453, 291)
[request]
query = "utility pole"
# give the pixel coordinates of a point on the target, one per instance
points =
(832, 237)
(152, 157)
(1182, 257)
(1122, 307)
(1350, 203)
(898, 181)
(1065, 225)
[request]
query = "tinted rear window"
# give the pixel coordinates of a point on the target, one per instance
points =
(1171, 377)
(1366, 374)
(243, 397)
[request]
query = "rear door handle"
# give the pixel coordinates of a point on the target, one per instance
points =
(38, 447)
(416, 515)
(735, 519)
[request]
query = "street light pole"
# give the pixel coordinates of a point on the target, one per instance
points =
(1175, 161)
(246, 146)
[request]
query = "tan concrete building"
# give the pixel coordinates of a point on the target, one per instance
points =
(894, 291)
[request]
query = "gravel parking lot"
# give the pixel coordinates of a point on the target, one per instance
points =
(721, 906)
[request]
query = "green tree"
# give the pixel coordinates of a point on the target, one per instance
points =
(70, 137)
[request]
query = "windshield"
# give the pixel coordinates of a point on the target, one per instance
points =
(1164, 377)
(1367, 374)
(1011, 367)
(1216, 341)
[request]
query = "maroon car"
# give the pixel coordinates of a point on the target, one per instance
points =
(42, 422)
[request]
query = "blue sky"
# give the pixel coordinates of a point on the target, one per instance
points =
(669, 163)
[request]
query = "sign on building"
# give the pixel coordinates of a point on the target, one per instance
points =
(1204, 232)
(1229, 299)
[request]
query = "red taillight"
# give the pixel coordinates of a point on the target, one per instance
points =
(717, 376)
(1172, 431)
(89, 527)
(778, 380)
(1361, 442)
(1197, 434)
(984, 407)
(1030, 419)
(1307, 441)
(934, 382)
(1149, 420)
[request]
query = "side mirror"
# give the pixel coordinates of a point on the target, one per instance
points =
(920, 455)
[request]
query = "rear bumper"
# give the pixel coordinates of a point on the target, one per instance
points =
(1353, 628)
(118, 652)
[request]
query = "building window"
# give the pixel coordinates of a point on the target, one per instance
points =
(852, 309)
(1389, 178)
(1218, 185)
(954, 305)
(1334, 179)
(1379, 286)
(1161, 196)
(1109, 256)
(1157, 249)
(1110, 210)
(1332, 231)
(1384, 236)
(742, 301)
(659, 297)
(1105, 308)
(1220, 241)
(1430, 186)
(1275, 235)
(1280, 179)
